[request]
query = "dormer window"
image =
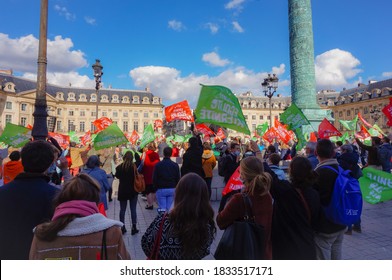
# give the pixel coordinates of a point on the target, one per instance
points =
(115, 98)
(104, 98)
(135, 99)
(83, 98)
(93, 98)
(125, 99)
(71, 96)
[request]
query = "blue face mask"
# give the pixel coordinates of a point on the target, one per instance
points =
(236, 153)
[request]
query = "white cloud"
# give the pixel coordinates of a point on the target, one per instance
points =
(387, 74)
(334, 68)
(176, 25)
(214, 59)
(20, 54)
(213, 27)
(90, 20)
(234, 4)
(237, 27)
(63, 11)
(168, 83)
(65, 79)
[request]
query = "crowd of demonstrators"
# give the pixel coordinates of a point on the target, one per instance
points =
(26, 201)
(125, 172)
(165, 178)
(372, 158)
(188, 229)
(208, 163)
(77, 230)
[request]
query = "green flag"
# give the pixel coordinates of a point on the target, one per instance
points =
(109, 137)
(73, 137)
(262, 128)
(15, 135)
(148, 136)
(301, 140)
(178, 138)
(376, 185)
(294, 117)
(218, 105)
(350, 125)
(186, 139)
(376, 127)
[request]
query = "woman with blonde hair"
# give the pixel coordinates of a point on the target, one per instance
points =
(77, 229)
(257, 184)
(188, 229)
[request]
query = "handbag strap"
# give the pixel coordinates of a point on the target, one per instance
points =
(305, 204)
(155, 249)
(104, 251)
(248, 207)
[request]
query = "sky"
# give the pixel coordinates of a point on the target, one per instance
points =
(173, 46)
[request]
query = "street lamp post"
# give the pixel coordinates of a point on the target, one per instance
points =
(97, 67)
(40, 127)
(270, 85)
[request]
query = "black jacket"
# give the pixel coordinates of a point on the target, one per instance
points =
(192, 160)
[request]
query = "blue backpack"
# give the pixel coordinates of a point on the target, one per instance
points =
(345, 207)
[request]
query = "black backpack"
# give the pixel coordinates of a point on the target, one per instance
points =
(221, 165)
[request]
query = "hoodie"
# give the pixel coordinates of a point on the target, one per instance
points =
(11, 169)
(209, 162)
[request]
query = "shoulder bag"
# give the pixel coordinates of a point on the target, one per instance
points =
(139, 185)
(154, 255)
(244, 239)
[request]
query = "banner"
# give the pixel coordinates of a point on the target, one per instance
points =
(350, 125)
(62, 139)
(363, 133)
(179, 111)
(270, 135)
(387, 110)
(15, 135)
(294, 117)
(86, 138)
(148, 136)
(73, 137)
(376, 185)
(158, 124)
(282, 132)
(326, 129)
(218, 105)
(134, 137)
(220, 133)
(109, 137)
(261, 129)
(363, 120)
(204, 129)
(234, 183)
(101, 124)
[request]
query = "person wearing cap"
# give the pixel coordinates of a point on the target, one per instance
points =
(95, 171)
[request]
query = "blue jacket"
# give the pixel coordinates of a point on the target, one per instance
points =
(385, 154)
(100, 175)
(24, 203)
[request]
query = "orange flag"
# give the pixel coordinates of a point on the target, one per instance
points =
(134, 137)
(179, 111)
(86, 138)
(363, 120)
(326, 129)
(363, 133)
(62, 139)
(101, 124)
(158, 124)
(282, 132)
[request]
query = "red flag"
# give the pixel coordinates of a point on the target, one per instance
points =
(201, 127)
(363, 120)
(313, 137)
(62, 139)
(270, 135)
(363, 133)
(282, 132)
(234, 183)
(134, 137)
(86, 138)
(179, 111)
(387, 110)
(220, 133)
(158, 124)
(101, 124)
(326, 129)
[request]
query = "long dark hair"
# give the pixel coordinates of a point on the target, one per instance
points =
(127, 161)
(301, 173)
(192, 213)
(80, 187)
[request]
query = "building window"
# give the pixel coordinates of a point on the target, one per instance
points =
(156, 115)
(8, 105)
(253, 127)
(348, 113)
(81, 126)
(253, 117)
(135, 114)
(261, 117)
(356, 111)
(115, 114)
(125, 126)
(146, 114)
(92, 127)
(23, 107)
(125, 114)
(93, 98)
(136, 125)
(70, 113)
(82, 114)
(340, 114)
(93, 114)
(365, 110)
(246, 117)
(71, 126)
(8, 118)
(23, 121)
(145, 124)
(104, 114)
(59, 111)
(59, 128)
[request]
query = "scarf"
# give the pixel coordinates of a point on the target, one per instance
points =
(82, 208)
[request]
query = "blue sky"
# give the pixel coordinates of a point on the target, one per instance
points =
(171, 46)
